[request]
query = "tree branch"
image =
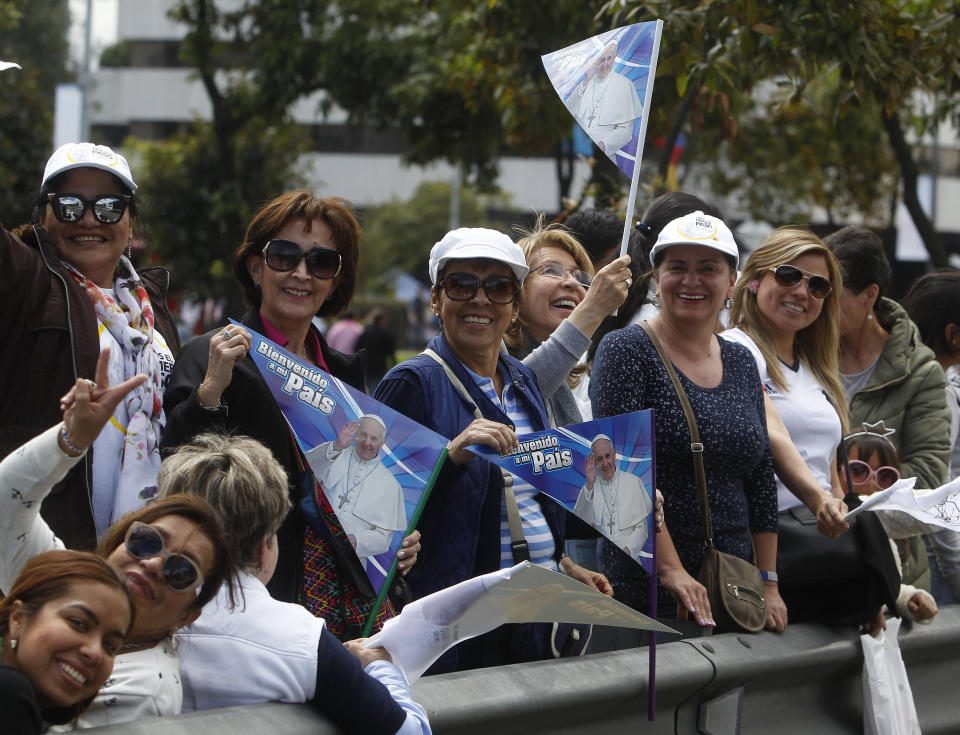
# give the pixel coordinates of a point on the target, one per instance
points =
(908, 173)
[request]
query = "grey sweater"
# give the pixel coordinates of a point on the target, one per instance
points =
(551, 363)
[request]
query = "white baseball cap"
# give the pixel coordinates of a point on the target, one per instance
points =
(477, 242)
(697, 228)
(88, 155)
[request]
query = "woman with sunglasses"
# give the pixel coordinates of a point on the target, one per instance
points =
(785, 312)
(477, 274)
(61, 627)
(68, 292)
(298, 260)
(874, 466)
(171, 554)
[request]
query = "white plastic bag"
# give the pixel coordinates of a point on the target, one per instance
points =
(888, 707)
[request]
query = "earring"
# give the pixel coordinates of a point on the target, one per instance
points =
(656, 300)
(129, 249)
(728, 304)
(869, 317)
(13, 644)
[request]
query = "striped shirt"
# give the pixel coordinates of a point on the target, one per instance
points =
(535, 529)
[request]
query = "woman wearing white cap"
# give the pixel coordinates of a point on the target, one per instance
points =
(68, 292)
(694, 260)
(298, 260)
(477, 275)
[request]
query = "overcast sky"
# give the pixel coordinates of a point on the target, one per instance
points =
(104, 18)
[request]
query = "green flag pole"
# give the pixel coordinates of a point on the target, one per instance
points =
(368, 627)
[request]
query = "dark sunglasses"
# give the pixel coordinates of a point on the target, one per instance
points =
(464, 286)
(788, 276)
(107, 209)
(179, 571)
(861, 473)
(285, 255)
(555, 270)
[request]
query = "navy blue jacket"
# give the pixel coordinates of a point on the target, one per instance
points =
(461, 521)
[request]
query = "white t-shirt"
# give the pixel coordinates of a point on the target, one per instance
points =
(810, 418)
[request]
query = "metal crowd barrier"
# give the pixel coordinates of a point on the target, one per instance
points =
(807, 680)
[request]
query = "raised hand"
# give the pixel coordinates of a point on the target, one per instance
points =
(227, 346)
(346, 436)
(590, 471)
(88, 405)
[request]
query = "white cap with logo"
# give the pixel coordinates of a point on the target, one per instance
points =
(477, 242)
(697, 228)
(88, 155)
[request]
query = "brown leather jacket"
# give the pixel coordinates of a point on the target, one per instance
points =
(48, 333)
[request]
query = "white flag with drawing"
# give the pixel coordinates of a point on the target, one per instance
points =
(940, 507)
(525, 593)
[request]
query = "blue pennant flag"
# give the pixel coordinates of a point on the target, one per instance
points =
(602, 471)
(606, 82)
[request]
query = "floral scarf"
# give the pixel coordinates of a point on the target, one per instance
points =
(129, 320)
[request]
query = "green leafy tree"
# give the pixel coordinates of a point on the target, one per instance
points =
(398, 235)
(787, 159)
(35, 36)
(878, 55)
(192, 218)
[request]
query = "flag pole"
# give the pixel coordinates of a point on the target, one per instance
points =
(414, 520)
(645, 117)
(652, 671)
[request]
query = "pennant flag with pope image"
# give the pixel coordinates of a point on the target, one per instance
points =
(606, 82)
(374, 467)
(602, 471)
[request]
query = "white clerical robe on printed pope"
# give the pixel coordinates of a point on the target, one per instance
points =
(606, 109)
(618, 509)
(366, 497)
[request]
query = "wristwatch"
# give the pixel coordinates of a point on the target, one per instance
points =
(769, 577)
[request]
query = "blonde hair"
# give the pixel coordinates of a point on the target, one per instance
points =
(553, 235)
(241, 480)
(817, 345)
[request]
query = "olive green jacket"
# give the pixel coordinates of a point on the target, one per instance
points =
(907, 390)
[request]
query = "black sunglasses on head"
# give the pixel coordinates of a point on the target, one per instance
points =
(788, 276)
(285, 255)
(179, 571)
(107, 209)
(464, 286)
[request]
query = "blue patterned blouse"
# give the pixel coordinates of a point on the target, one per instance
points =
(629, 376)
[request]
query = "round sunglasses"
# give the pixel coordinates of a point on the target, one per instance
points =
(861, 473)
(285, 255)
(107, 209)
(464, 286)
(788, 276)
(179, 572)
(555, 270)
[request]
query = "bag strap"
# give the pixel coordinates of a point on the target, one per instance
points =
(518, 542)
(696, 447)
